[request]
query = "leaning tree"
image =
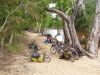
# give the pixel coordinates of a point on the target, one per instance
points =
(70, 32)
(68, 22)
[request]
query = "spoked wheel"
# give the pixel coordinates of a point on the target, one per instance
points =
(76, 56)
(46, 58)
(53, 50)
(71, 56)
(31, 53)
(61, 52)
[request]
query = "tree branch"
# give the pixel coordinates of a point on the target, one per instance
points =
(69, 10)
(76, 6)
(60, 13)
(9, 15)
(75, 10)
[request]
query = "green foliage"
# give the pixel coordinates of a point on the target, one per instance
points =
(57, 23)
(32, 12)
(66, 4)
(18, 36)
(47, 21)
(13, 48)
(84, 18)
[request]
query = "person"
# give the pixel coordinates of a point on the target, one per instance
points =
(48, 40)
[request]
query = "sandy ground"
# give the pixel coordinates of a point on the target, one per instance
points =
(22, 66)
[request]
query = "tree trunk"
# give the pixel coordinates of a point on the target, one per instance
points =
(70, 21)
(11, 38)
(93, 39)
(66, 33)
(75, 40)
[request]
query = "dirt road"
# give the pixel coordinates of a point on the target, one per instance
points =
(22, 66)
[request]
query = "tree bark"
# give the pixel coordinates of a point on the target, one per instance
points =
(93, 39)
(72, 29)
(66, 33)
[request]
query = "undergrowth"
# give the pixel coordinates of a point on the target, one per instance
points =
(14, 48)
